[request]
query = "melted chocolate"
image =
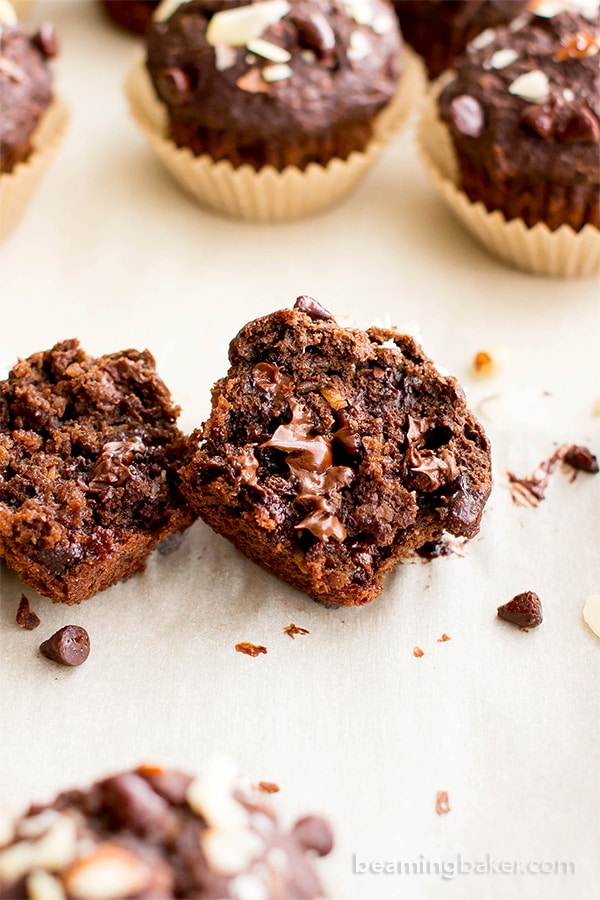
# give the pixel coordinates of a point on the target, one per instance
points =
(310, 462)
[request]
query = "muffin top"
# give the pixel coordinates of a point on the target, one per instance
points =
(526, 98)
(25, 85)
(272, 70)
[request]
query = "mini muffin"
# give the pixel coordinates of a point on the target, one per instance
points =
(511, 141)
(439, 30)
(32, 120)
(155, 832)
(274, 83)
(523, 114)
(267, 109)
(132, 15)
(332, 453)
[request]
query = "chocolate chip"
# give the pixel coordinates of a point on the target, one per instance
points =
(541, 117)
(46, 40)
(467, 115)
(524, 610)
(314, 833)
(174, 85)
(580, 127)
(26, 617)
(132, 803)
(312, 309)
(69, 646)
(315, 33)
(582, 458)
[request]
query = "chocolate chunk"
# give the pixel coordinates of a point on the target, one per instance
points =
(314, 833)
(467, 115)
(312, 309)
(69, 646)
(541, 118)
(174, 85)
(581, 458)
(524, 610)
(26, 617)
(131, 802)
(250, 649)
(46, 40)
(315, 33)
(580, 127)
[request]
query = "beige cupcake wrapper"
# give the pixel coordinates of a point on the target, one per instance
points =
(561, 253)
(22, 8)
(16, 187)
(267, 195)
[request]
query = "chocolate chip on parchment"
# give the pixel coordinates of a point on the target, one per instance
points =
(582, 458)
(69, 646)
(26, 617)
(524, 610)
(314, 833)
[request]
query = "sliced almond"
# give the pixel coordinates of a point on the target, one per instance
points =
(42, 885)
(334, 398)
(230, 851)
(269, 51)
(236, 27)
(166, 9)
(110, 873)
(225, 57)
(360, 46)
(210, 795)
(532, 86)
(253, 82)
(591, 613)
(279, 72)
(8, 15)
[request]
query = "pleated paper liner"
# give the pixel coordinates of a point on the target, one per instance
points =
(22, 8)
(16, 187)
(268, 195)
(563, 253)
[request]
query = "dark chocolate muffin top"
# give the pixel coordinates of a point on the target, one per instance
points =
(159, 833)
(272, 71)
(526, 99)
(25, 86)
(440, 29)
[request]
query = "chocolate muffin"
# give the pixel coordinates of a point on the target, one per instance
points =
(523, 113)
(441, 29)
(160, 833)
(25, 86)
(332, 453)
(132, 15)
(274, 83)
(89, 453)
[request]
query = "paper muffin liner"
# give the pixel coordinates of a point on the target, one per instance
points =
(562, 253)
(16, 187)
(267, 195)
(22, 8)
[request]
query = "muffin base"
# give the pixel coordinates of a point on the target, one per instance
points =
(16, 187)
(267, 195)
(553, 249)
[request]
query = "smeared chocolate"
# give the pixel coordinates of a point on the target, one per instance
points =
(244, 466)
(310, 462)
(112, 469)
(531, 491)
(438, 467)
(272, 379)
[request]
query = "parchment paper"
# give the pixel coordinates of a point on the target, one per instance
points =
(345, 719)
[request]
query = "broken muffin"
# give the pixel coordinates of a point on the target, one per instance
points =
(332, 453)
(89, 453)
